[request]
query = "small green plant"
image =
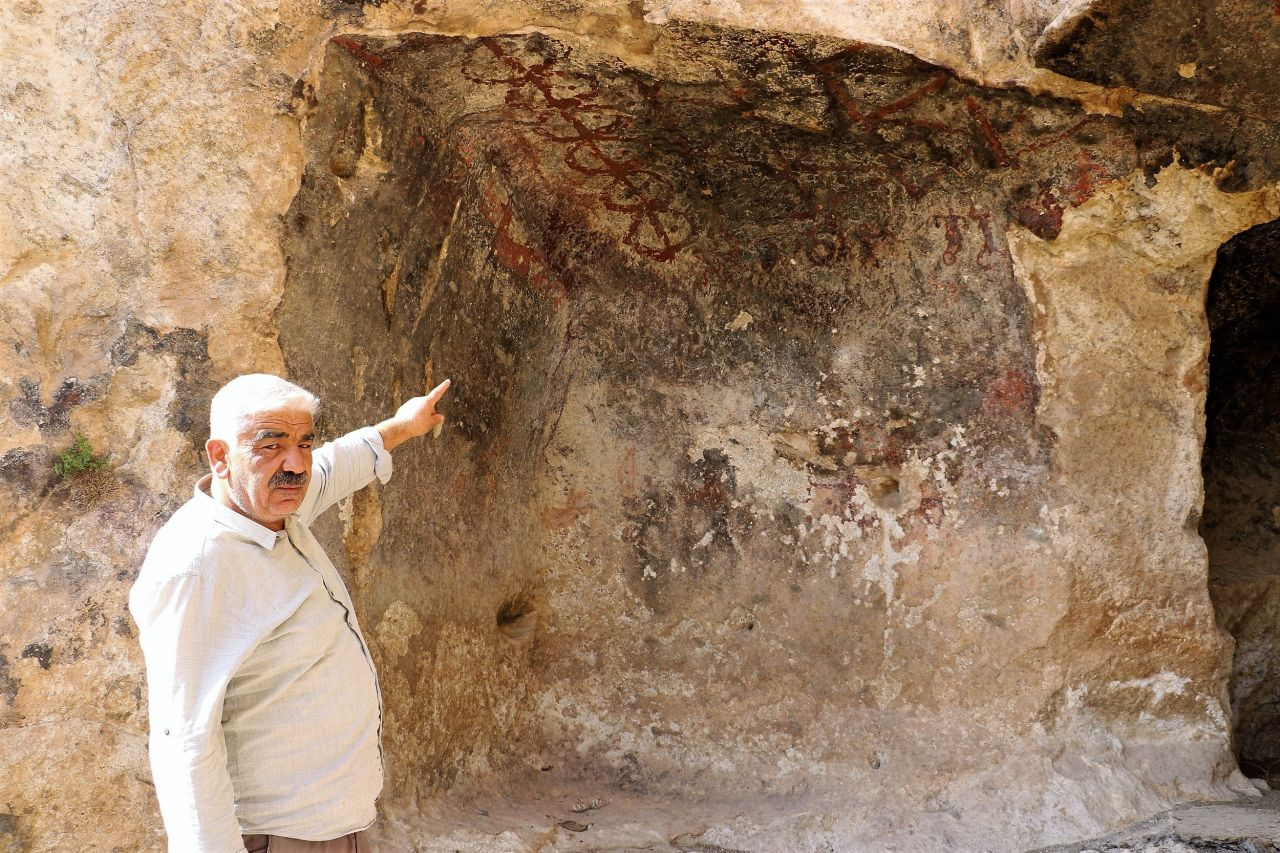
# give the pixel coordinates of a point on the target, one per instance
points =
(78, 459)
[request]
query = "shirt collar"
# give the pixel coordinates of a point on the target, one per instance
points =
(228, 517)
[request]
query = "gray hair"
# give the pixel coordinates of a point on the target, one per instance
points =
(245, 396)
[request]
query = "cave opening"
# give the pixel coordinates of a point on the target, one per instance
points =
(1241, 519)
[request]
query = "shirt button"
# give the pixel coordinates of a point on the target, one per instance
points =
(166, 731)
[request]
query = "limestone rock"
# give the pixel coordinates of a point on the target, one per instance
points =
(878, 468)
(1252, 827)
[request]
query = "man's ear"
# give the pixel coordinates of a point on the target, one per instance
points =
(218, 462)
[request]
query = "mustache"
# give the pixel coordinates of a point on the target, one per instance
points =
(288, 478)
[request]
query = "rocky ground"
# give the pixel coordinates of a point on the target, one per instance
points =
(1249, 826)
(563, 816)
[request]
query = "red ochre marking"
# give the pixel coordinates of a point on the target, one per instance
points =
(988, 133)
(521, 259)
(951, 222)
(1086, 171)
(359, 51)
(939, 80)
(654, 228)
(559, 517)
(1012, 391)
(1043, 215)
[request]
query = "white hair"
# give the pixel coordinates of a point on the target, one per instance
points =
(245, 396)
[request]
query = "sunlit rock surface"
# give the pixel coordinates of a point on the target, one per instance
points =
(823, 463)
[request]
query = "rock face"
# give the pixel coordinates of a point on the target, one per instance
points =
(824, 456)
(1241, 827)
(1216, 52)
(750, 416)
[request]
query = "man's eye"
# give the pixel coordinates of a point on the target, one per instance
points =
(306, 445)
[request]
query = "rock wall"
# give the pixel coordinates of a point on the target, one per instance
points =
(826, 434)
(1212, 52)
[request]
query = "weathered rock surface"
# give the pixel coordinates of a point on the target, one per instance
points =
(742, 357)
(1249, 827)
(1219, 52)
(824, 451)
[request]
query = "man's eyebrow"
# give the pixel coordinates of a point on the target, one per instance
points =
(311, 436)
(269, 433)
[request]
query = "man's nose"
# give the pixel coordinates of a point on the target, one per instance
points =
(295, 461)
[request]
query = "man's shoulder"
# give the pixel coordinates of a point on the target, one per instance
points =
(193, 555)
(184, 533)
(191, 542)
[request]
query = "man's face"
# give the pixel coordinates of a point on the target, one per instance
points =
(268, 470)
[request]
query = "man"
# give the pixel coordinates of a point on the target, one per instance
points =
(265, 712)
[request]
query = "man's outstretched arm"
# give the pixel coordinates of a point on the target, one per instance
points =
(416, 417)
(336, 471)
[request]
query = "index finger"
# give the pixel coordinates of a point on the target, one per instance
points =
(437, 392)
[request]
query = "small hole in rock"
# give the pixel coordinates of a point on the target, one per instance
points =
(517, 620)
(884, 490)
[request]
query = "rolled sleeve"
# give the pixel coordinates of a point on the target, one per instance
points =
(343, 466)
(382, 458)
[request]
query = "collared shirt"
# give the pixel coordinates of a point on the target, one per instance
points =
(264, 703)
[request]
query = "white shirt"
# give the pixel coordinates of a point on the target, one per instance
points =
(264, 703)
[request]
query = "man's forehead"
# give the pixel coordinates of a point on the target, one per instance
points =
(289, 420)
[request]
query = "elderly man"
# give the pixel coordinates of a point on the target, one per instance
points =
(265, 712)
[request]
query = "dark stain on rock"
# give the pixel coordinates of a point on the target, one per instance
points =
(190, 348)
(687, 535)
(710, 486)
(337, 8)
(647, 533)
(9, 685)
(1241, 151)
(11, 836)
(26, 471)
(41, 652)
(29, 409)
(630, 775)
(348, 148)
(1208, 52)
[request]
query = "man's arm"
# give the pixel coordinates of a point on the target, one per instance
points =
(348, 464)
(416, 417)
(193, 638)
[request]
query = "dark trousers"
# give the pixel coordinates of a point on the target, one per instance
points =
(356, 842)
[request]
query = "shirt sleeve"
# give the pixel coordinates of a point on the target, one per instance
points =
(194, 636)
(343, 466)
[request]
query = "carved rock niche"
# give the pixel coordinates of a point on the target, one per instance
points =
(823, 456)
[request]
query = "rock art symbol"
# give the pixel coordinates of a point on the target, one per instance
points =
(563, 108)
